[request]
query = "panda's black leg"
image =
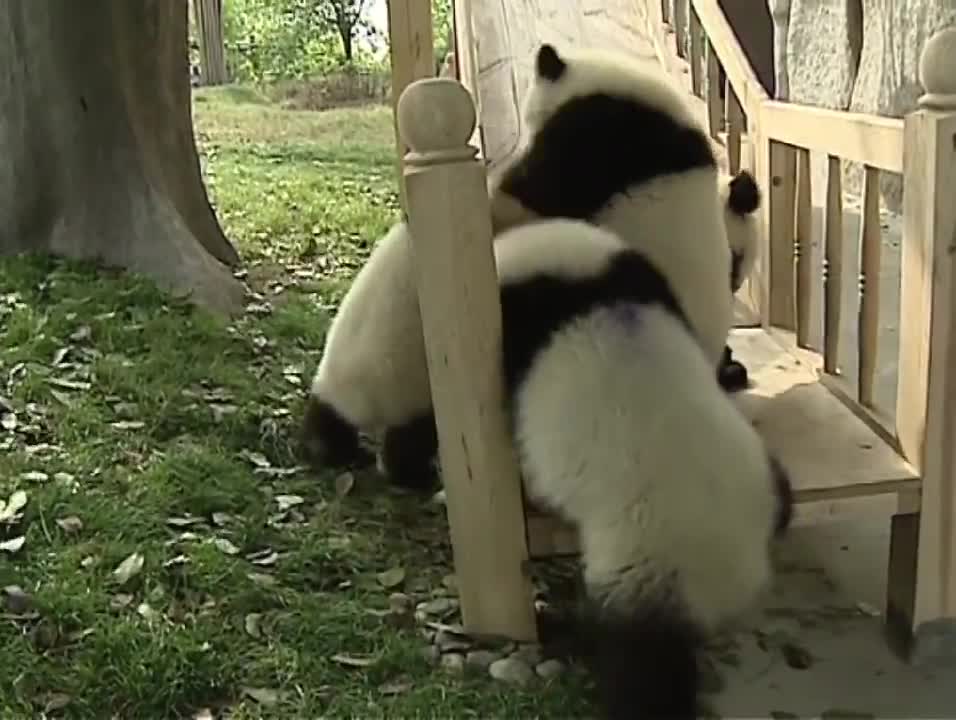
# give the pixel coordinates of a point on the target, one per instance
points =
(731, 374)
(329, 439)
(408, 452)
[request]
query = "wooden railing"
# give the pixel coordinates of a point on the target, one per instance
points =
(922, 147)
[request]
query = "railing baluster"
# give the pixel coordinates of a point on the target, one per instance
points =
(833, 266)
(696, 53)
(715, 108)
(870, 245)
(782, 190)
(735, 127)
(803, 247)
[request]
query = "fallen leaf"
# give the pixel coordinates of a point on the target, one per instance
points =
(353, 661)
(288, 501)
(344, 484)
(391, 578)
(70, 524)
(16, 503)
(81, 333)
(262, 579)
(257, 459)
(267, 560)
(220, 518)
(252, 624)
(56, 701)
(146, 612)
(182, 521)
(129, 568)
(128, 425)
(226, 546)
(120, 601)
(263, 696)
(13, 544)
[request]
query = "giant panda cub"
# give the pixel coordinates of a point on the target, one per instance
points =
(740, 197)
(675, 509)
(373, 375)
(613, 141)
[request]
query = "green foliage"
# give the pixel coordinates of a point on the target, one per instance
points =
(268, 40)
(441, 22)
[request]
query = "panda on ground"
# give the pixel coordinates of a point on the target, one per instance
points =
(614, 141)
(373, 375)
(740, 197)
(592, 336)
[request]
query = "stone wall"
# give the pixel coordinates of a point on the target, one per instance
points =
(859, 55)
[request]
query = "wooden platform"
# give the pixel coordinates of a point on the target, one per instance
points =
(833, 456)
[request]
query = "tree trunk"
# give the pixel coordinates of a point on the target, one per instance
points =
(346, 31)
(98, 155)
(212, 51)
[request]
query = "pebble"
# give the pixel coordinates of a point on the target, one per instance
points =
(451, 642)
(481, 659)
(511, 670)
(431, 653)
(529, 654)
(453, 662)
(400, 603)
(549, 669)
(438, 606)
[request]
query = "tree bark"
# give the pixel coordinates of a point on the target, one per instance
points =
(98, 154)
(209, 26)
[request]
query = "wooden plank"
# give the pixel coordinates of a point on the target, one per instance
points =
(833, 267)
(830, 452)
(450, 221)
(735, 128)
(412, 55)
(871, 242)
(696, 54)
(782, 194)
(869, 139)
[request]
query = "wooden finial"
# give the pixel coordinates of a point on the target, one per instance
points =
(436, 119)
(937, 71)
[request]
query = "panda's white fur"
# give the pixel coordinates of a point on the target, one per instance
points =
(621, 428)
(740, 197)
(373, 375)
(621, 133)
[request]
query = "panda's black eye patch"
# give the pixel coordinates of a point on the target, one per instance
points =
(550, 66)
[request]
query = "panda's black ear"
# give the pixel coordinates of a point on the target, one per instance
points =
(744, 197)
(549, 64)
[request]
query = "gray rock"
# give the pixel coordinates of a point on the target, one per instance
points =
(400, 603)
(549, 669)
(451, 642)
(453, 662)
(16, 600)
(512, 671)
(438, 606)
(894, 34)
(431, 653)
(529, 653)
(481, 659)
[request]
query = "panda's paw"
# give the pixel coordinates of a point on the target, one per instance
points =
(732, 376)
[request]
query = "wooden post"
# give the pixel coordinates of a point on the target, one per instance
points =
(921, 593)
(411, 49)
(450, 220)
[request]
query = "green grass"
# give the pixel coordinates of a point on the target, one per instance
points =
(135, 424)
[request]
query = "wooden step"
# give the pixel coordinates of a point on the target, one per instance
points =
(833, 456)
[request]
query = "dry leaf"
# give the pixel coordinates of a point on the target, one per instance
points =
(81, 333)
(220, 518)
(352, 661)
(120, 601)
(263, 696)
(56, 701)
(257, 459)
(252, 624)
(344, 484)
(226, 546)
(13, 506)
(129, 568)
(70, 524)
(146, 612)
(288, 501)
(128, 425)
(182, 521)
(13, 544)
(391, 578)
(267, 560)
(261, 579)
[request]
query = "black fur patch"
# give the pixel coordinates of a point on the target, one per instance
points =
(549, 64)
(736, 259)
(744, 196)
(599, 146)
(645, 664)
(408, 452)
(731, 374)
(784, 490)
(327, 437)
(538, 306)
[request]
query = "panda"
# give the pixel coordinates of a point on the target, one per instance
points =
(740, 197)
(614, 141)
(373, 374)
(676, 510)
